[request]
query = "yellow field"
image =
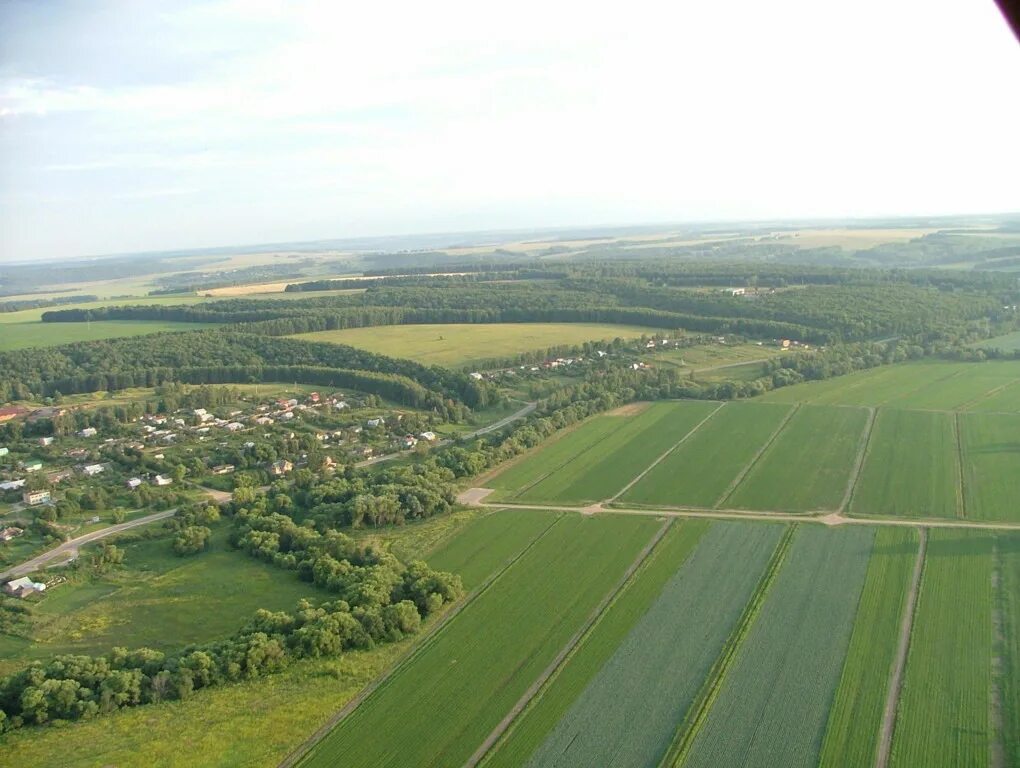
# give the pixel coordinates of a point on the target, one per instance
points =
(471, 343)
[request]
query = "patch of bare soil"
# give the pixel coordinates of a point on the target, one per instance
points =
(631, 409)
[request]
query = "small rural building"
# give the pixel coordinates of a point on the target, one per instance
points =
(88, 432)
(133, 483)
(44, 441)
(4, 450)
(23, 587)
(428, 436)
(281, 467)
(475, 375)
(735, 291)
(234, 426)
(31, 465)
(161, 480)
(10, 533)
(12, 485)
(93, 469)
(35, 498)
(223, 469)
(408, 441)
(373, 423)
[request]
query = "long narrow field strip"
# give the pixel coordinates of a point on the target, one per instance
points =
(808, 466)
(604, 470)
(1007, 595)
(488, 542)
(943, 717)
(911, 468)
(1003, 400)
(991, 465)
(629, 713)
(856, 717)
(701, 469)
(773, 705)
(437, 710)
(545, 711)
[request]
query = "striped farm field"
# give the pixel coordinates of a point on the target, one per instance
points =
(438, 707)
(912, 466)
(487, 543)
(632, 446)
(855, 721)
(991, 465)
(531, 729)
(700, 470)
(808, 466)
(1007, 606)
(1005, 399)
(943, 715)
(773, 704)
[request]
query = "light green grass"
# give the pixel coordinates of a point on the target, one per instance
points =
(608, 465)
(30, 335)
(774, 703)
(467, 344)
(911, 467)
(642, 591)
(628, 714)
(699, 471)
(991, 465)
(942, 718)
(855, 721)
(438, 708)
(1010, 342)
(808, 465)
(1008, 643)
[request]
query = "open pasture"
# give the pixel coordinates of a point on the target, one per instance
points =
(629, 712)
(442, 703)
(943, 713)
(29, 335)
(700, 470)
(927, 385)
(774, 702)
(629, 449)
(808, 466)
(911, 468)
(991, 465)
(468, 344)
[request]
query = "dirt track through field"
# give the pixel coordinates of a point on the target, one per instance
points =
(754, 459)
(862, 454)
(896, 679)
(566, 650)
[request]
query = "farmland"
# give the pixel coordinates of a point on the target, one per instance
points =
(1007, 642)
(27, 335)
(991, 461)
(774, 702)
(465, 345)
(478, 666)
(921, 446)
(628, 713)
(943, 717)
(808, 466)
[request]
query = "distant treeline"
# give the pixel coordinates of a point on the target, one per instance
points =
(20, 304)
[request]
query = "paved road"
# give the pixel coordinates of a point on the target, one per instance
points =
(71, 546)
(528, 408)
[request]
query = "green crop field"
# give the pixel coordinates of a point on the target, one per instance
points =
(1007, 606)
(531, 728)
(1008, 343)
(698, 472)
(943, 715)
(474, 343)
(809, 464)
(26, 335)
(608, 465)
(158, 600)
(1006, 399)
(991, 465)
(912, 467)
(439, 707)
(773, 705)
(855, 721)
(629, 713)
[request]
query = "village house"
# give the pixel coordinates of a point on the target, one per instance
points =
(223, 469)
(408, 441)
(12, 485)
(161, 480)
(23, 587)
(373, 423)
(35, 498)
(4, 450)
(31, 465)
(428, 436)
(475, 375)
(280, 468)
(234, 426)
(60, 475)
(44, 441)
(133, 483)
(7, 534)
(92, 469)
(88, 432)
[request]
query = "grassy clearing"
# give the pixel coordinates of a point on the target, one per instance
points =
(158, 600)
(1008, 343)
(855, 721)
(774, 703)
(1008, 643)
(911, 468)
(545, 711)
(472, 343)
(604, 469)
(629, 712)
(808, 466)
(26, 335)
(991, 465)
(943, 716)
(699, 471)
(438, 708)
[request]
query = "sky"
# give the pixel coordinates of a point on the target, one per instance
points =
(147, 125)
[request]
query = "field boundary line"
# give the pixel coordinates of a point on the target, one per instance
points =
(858, 467)
(732, 487)
(892, 699)
(961, 491)
(688, 729)
(985, 396)
(565, 652)
(997, 744)
(299, 753)
(666, 453)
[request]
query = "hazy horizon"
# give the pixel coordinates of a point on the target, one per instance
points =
(129, 128)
